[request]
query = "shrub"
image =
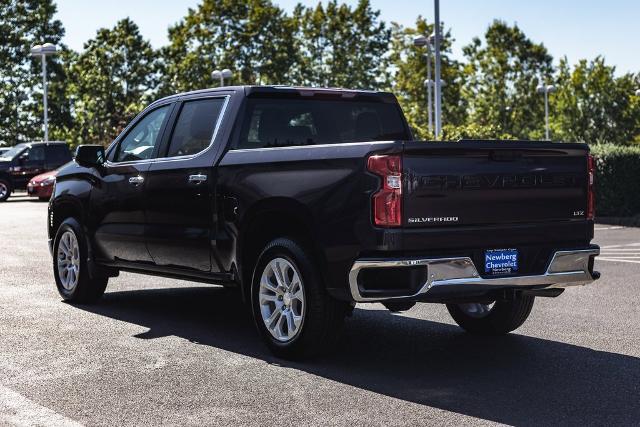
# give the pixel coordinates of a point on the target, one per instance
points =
(617, 179)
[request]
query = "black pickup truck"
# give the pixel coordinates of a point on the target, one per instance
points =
(312, 200)
(24, 161)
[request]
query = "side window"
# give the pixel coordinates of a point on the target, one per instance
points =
(140, 142)
(58, 155)
(36, 154)
(194, 128)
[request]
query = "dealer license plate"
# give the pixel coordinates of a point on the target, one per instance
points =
(501, 261)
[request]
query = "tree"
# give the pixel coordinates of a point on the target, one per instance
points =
(253, 38)
(593, 105)
(409, 70)
(24, 23)
(339, 46)
(502, 74)
(111, 81)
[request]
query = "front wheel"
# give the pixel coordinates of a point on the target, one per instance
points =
(73, 277)
(292, 311)
(499, 317)
(5, 189)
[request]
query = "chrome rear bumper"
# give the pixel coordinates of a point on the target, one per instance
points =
(567, 268)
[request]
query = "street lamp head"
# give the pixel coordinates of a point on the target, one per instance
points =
(428, 82)
(540, 88)
(551, 89)
(420, 41)
(44, 49)
(226, 73)
(638, 92)
(216, 75)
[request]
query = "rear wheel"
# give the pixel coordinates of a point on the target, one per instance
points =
(291, 309)
(73, 277)
(499, 317)
(5, 189)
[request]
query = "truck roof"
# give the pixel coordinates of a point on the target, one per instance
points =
(250, 90)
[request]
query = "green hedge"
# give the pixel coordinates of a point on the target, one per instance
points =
(617, 180)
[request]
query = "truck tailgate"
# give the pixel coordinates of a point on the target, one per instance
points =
(478, 183)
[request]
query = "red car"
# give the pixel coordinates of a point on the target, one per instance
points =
(41, 186)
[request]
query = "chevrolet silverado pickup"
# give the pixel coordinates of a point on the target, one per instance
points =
(312, 200)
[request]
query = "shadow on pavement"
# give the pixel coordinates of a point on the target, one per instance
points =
(512, 379)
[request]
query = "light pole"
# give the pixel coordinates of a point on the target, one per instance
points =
(420, 41)
(221, 75)
(546, 90)
(438, 94)
(42, 51)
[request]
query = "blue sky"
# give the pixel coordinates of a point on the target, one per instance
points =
(577, 29)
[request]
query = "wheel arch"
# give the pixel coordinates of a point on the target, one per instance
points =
(7, 177)
(62, 208)
(267, 220)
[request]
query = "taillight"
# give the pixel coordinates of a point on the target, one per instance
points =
(591, 196)
(387, 201)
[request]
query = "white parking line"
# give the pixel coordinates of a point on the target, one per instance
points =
(18, 410)
(607, 228)
(629, 252)
(618, 260)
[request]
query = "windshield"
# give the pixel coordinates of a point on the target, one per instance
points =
(14, 151)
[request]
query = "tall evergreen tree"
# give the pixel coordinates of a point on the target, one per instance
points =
(502, 74)
(340, 46)
(111, 81)
(593, 105)
(24, 23)
(253, 38)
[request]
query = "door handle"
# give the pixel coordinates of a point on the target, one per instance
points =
(136, 180)
(197, 179)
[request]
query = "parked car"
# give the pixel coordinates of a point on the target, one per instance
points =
(24, 161)
(41, 186)
(312, 200)
(4, 150)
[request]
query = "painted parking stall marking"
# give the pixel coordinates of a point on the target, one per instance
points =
(621, 253)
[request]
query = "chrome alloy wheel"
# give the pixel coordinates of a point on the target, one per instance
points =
(68, 260)
(3, 190)
(476, 309)
(281, 299)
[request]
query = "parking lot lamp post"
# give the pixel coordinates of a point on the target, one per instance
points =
(420, 41)
(226, 74)
(217, 75)
(638, 92)
(42, 51)
(221, 75)
(546, 90)
(438, 81)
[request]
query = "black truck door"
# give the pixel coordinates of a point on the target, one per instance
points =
(118, 200)
(29, 164)
(180, 189)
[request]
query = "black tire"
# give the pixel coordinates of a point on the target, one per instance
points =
(503, 317)
(90, 284)
(323, 316)
(5, 189)
(44, 199)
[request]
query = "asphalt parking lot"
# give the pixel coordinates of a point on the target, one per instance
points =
(158, 351)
